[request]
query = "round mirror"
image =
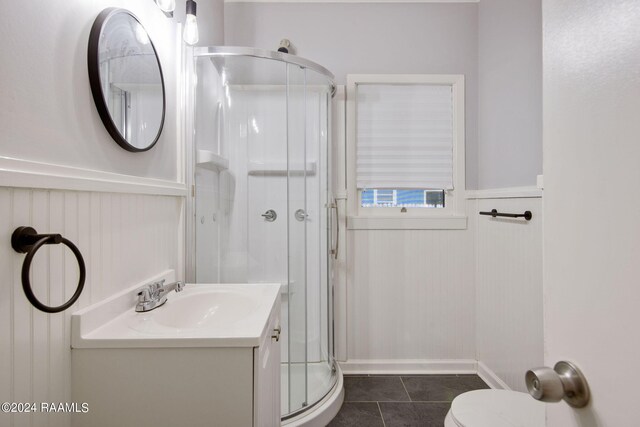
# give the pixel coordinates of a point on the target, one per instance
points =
(126, 79)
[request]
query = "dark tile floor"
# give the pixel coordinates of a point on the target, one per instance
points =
(407, 401)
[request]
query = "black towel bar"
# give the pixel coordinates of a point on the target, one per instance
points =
(494, 213)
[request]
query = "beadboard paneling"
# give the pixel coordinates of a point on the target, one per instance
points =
(124, 239)
(509, 290)
(410, 295)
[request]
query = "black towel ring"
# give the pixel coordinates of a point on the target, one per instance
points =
(27, 240)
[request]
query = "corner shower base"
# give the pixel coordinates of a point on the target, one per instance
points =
(327, 407)
(319, 381)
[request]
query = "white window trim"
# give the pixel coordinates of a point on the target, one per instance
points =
(452, 216)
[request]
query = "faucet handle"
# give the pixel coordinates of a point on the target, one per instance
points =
(148, 291)
(179, 286)
(144, 295)
(154, 287)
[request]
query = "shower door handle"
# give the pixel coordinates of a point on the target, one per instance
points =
(334, 251)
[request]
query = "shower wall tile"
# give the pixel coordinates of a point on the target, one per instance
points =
(124, 238)
(207, 224)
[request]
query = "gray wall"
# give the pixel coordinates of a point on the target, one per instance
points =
(210, 21)
(371, 38)
(211, 31)
(48, 114)
(496, 44)
(509, 93)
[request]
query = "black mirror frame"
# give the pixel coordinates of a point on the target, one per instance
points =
(96, 86)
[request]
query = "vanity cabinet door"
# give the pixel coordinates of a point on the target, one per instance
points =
(267, 376)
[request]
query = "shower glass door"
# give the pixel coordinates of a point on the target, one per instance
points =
(297, 224)
(320, 371)
(310, 368)
(261, 138)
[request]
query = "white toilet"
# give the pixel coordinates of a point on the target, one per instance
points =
(495, 408)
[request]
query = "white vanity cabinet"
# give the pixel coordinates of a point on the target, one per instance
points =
(266, 378)
(131, 379)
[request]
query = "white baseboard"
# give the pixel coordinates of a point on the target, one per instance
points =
(490, 377)
(423, 366)
(409, 366)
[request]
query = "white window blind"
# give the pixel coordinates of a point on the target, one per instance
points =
(404, 136)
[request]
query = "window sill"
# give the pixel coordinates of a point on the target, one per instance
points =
(407, 223)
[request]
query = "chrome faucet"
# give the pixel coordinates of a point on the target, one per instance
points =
(153, 295)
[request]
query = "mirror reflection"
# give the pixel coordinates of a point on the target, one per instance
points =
(130, 81)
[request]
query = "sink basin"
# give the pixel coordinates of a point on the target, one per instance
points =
(202, 315)
(195, 308)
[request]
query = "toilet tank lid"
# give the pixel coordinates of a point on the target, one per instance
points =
(497, 408)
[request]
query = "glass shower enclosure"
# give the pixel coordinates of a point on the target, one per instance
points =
(262, 210)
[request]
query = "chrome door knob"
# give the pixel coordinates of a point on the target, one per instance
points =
(544, 384)
(270, 215)
(564, 381)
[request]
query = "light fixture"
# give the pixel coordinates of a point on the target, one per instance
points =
(190, 33)
(167, 6)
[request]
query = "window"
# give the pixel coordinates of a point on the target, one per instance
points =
(434, 199)
(405, 145)
(398, 198)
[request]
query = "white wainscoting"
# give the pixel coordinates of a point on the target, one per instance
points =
(28, 174)
(124, 238)
(509, 292)
(410, 297)
(445, 301)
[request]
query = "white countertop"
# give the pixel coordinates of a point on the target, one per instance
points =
(202, 315)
